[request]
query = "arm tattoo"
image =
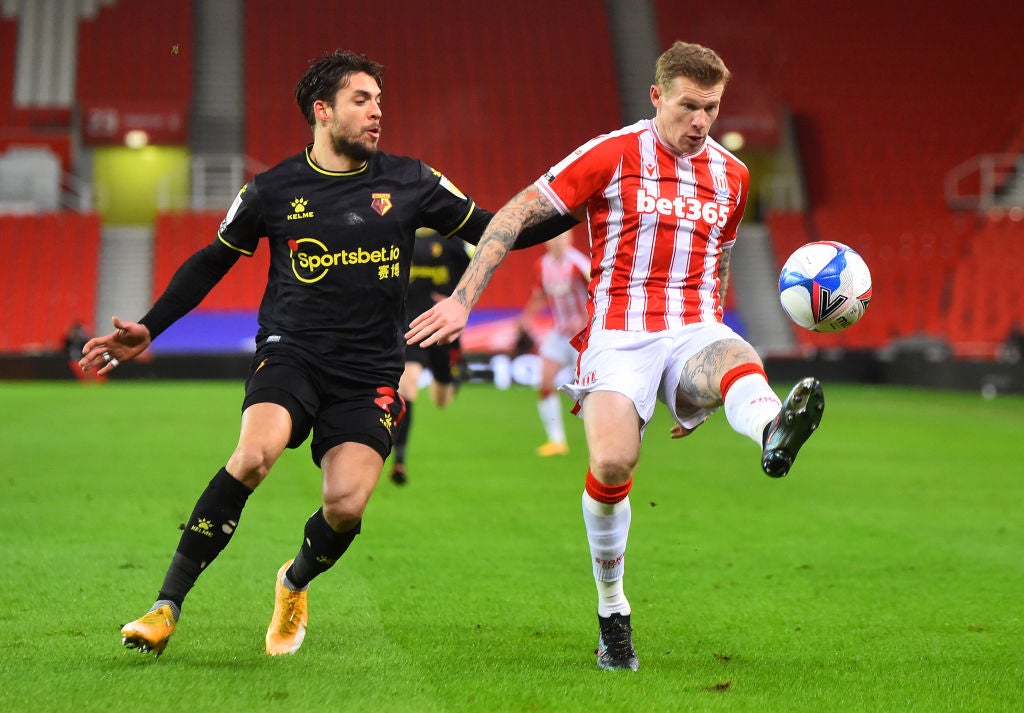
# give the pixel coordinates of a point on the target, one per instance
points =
(723, 273)
(528, 208)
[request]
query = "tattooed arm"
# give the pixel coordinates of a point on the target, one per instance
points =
(723, 273)
(445, 321)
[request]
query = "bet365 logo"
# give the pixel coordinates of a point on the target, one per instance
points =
(683, 207)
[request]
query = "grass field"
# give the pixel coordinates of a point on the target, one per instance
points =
(886, 573)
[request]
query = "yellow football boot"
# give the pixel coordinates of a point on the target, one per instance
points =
(288, 627)
(151, 632)
(551, 448)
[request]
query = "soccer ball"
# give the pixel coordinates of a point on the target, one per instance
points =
(825, 286)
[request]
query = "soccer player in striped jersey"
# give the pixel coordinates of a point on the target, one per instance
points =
(663, 201)
(560, 284)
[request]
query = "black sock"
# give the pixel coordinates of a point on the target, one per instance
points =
(402, 434)
(321, 548)
(206, 533)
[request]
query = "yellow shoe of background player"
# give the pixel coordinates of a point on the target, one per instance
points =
(151, 632)
(288, 627)
(552, 448)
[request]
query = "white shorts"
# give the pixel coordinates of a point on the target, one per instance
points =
(556, 348)
(645, 367)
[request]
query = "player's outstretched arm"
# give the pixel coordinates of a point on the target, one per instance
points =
(187, 288)
(445, 321)
(104, 353)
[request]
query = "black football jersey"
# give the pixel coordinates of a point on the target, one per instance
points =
(341, 247)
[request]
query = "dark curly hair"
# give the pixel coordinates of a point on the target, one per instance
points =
(330, 73)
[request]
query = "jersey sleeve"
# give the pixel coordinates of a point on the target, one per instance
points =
(581, 175)
(443, 207)
(243, 226)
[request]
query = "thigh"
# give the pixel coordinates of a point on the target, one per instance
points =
(264, 434)
(277, 376)
(701, 357)
(350, 473)
(613, 429)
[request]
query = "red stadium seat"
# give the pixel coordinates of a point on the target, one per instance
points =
(40, 303)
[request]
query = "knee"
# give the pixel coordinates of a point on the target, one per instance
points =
(612, 469)
(342, 514)
(250, 465)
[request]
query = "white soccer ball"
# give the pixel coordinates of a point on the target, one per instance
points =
(825, 286)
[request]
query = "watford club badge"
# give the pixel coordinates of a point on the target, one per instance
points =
(381, 202)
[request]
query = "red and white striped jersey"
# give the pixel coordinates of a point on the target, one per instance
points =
(564, 282)
(658, 220)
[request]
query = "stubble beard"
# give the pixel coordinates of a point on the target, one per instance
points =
(355, 150)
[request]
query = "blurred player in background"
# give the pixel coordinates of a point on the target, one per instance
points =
(663, 201)
(561, 276)
(339, 221)
(437, 265)
(74, 340)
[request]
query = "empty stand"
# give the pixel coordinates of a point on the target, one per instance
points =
(49, 275)
(986, 300)
(178, 235)
(118, 62)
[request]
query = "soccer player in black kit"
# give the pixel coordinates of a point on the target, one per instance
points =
(339, 221)
(437, 266)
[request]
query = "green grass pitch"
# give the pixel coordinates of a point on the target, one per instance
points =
(885, 573)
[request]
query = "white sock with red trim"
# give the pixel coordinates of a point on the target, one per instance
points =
(750, 404)
(607, 530)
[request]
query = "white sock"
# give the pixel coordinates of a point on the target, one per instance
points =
(550, 409)
(611, 599)
(607, 531)
(750, 405)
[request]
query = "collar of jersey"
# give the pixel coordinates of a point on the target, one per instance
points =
(319, 169)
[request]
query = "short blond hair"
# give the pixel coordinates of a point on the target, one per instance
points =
(695, 62)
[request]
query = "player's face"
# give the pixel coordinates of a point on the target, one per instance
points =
(685, 112)
(354, 119)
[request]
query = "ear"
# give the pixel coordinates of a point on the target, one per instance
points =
(320, 108)
(656, 96)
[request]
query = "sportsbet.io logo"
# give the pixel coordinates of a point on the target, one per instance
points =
(312, 260)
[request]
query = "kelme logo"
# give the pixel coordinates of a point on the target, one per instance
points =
(299, 211)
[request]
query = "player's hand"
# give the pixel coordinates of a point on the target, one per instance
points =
(441, 324)
(682, 432)
(105, 353)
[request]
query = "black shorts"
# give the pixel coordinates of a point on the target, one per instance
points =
(443, 360)
(336, 412)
